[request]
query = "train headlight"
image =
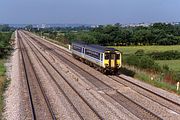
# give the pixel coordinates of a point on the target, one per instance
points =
(117, 65)
(106, 65)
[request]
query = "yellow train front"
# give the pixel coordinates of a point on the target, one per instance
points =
(104, 59)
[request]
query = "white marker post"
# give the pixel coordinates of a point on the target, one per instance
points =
(177, 86)
(69, 47)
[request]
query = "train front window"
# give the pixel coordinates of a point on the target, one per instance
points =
(117, 56)
(107, 56)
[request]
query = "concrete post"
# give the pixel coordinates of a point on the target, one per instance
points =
(69, 46)
(177, 86)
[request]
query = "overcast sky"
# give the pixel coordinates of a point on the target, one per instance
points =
(89, 11)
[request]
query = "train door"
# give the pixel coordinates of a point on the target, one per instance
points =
(112, 60)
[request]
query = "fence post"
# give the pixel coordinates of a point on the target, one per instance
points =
(69, 47)
(177, 87)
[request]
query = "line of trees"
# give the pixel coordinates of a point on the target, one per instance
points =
(156, 34)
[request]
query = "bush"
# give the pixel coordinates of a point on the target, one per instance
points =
(144, 62)
(140, 52)
(165, 68)
(167, 55)
(5, 44)
(176, 76)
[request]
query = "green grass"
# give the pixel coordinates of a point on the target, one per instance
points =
(2, 84)
(147, 49)
(156, 82)
(146, 77)
(2, 68)
(173, 64)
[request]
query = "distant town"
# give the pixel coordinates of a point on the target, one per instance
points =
(86, 25)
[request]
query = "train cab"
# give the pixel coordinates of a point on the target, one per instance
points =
(112, 59)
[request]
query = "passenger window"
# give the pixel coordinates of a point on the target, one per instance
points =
(77, 48)
(92, 54)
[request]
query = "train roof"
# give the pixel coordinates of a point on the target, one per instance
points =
(97, 48)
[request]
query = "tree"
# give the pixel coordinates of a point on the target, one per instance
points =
(4, 28)
(87, 38)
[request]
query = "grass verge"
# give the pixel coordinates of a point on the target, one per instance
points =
(3, 84)
(152, 79)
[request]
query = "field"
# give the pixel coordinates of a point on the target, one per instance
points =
(173, 64)
(147, 49)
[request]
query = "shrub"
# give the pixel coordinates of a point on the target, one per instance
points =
(172, 77)
(139, 52)
(165, 68)
(167, 55)
(144, 62)
(176, 76)
(5, 44)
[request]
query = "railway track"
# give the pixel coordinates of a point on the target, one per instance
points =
(174, 106)
(35, 52)
(31, 76)
(133, 107)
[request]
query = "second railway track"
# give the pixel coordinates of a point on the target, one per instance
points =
(34, 87)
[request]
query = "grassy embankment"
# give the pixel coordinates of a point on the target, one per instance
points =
(2, 83)
(158, 78)
(5, 47)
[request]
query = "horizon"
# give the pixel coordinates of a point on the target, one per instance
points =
(171, 22)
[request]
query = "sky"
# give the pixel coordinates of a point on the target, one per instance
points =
(88, 11)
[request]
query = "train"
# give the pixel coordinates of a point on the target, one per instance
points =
(105, 59)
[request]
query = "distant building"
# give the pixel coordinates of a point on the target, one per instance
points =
(43, 26)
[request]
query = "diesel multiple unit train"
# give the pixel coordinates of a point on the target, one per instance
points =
(104, 59)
